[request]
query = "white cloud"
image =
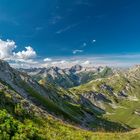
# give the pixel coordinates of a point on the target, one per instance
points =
(7, 51)
(25, 54)
(25, 64)
(93, 41)
(26, 58)
(77, 51)
(63, 61)
(86, 62)
(59, 62)
(95, 61)
(47, 60)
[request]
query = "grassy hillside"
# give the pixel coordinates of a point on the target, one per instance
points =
(20, 119)
(88, 112)
(118, 96)
(57, 101)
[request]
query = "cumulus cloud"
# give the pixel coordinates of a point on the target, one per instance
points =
(47, 60)
(77, 51)
(26, 54)
(7, 51)
(27, 58)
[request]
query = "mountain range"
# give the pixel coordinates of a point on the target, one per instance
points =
(68, 77)
(74, 104)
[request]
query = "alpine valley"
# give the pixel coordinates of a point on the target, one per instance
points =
(77, 103)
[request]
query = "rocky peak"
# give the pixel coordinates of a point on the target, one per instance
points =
(76, 68)
(54, 68)
(4, 65)
(6, 72)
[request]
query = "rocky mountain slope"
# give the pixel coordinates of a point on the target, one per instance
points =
(21, 119)
(68, 77)
(117, 95)
(56, 101)
(29, 110)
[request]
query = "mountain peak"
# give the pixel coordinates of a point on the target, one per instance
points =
(76, 68)
(4, 65)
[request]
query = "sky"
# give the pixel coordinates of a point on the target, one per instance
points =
(54, 32)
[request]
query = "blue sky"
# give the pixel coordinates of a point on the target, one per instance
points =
(71, 28)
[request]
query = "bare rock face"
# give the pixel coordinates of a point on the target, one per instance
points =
(76, 68)
(6, 72)
(15, 79)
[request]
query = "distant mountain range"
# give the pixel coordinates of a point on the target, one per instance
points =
(68, 77)
(43, 103)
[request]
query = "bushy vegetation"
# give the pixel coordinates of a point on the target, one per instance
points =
(11, 128)
(51, 129)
